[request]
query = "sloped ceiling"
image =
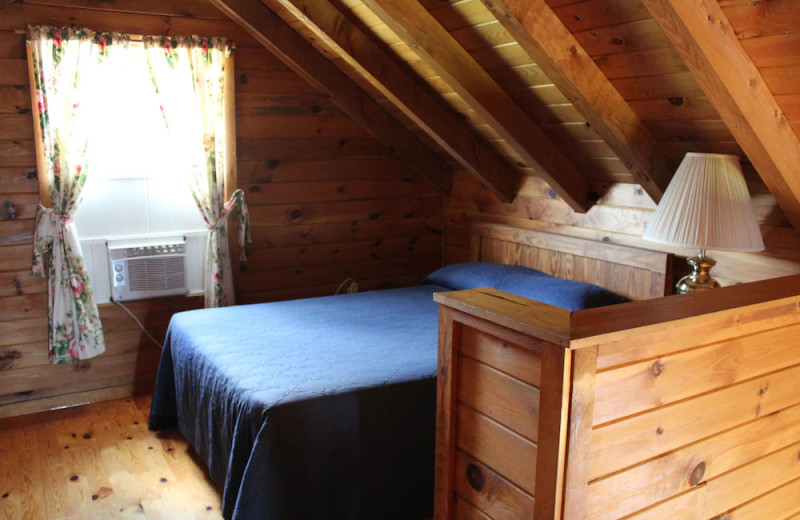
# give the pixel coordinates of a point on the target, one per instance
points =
(584, 94)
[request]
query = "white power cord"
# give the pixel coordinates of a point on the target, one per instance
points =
(154, 340)
(351, 289)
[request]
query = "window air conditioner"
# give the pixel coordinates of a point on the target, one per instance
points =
(147, 269)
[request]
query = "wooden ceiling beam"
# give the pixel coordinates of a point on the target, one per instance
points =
(702, 35)
(411, 22)
(299, 55)
(551, 45)
(437, 119)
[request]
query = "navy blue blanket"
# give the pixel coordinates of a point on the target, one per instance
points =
(321, 408)
(324, 408)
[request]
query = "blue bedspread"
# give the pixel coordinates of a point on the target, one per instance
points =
(321, 408)
(324, 408)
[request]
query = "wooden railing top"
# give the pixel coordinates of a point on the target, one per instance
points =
(593, 326)
(530, 317)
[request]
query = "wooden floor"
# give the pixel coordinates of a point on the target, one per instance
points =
(100, 461)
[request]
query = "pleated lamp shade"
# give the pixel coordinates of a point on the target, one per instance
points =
(706, 206)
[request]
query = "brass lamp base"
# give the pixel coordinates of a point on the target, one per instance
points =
(700, 278)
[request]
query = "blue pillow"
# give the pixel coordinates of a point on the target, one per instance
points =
(522, 281)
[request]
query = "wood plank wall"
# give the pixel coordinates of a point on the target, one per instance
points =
(620, 217)
(327, 202)
(699, 419)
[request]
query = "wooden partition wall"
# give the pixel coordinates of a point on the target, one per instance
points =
(685, 407)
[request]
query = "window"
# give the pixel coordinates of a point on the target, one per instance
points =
(88, 92)
(138, 189)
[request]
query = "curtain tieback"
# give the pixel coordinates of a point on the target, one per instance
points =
(49, 228)
(235, 202)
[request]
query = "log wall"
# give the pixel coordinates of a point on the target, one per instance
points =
(328, 202)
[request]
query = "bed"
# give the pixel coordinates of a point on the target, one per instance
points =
(325, 407)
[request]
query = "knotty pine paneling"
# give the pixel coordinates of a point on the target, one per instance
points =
(327, 202)
(770, 34)
(660, 441)
(620, 216)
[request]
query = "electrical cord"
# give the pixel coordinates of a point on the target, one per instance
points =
(352, 288)
(154, 340)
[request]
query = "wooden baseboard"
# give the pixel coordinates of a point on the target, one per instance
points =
(74, 399)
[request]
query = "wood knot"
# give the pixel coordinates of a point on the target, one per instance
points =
(763, 390)
(697, 474)
(617, 41)
(8, 357)
(659, 431)
(677, 101)
(475, 477)
(658, 368)
(295, 214)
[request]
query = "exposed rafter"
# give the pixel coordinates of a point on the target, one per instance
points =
(700, 32)
(551, 45)
(272, 32)
(375, 65)
(411, 22)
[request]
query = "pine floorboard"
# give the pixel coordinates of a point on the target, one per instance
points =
(100, 461)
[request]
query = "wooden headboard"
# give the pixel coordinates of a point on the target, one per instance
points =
(638, 274)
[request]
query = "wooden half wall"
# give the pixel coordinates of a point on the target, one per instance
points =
(685, 407)
(327, 202)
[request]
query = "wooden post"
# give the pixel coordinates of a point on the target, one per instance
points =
(449, 337)
(553, 420)
(579, 435)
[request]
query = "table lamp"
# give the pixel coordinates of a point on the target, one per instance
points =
(706, 206)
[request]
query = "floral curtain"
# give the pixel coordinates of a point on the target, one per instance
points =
(189, 76)
(65, 63)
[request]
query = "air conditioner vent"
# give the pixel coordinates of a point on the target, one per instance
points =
(156, 273)
(148, 269)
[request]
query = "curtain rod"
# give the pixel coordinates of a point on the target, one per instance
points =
(133, 37)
